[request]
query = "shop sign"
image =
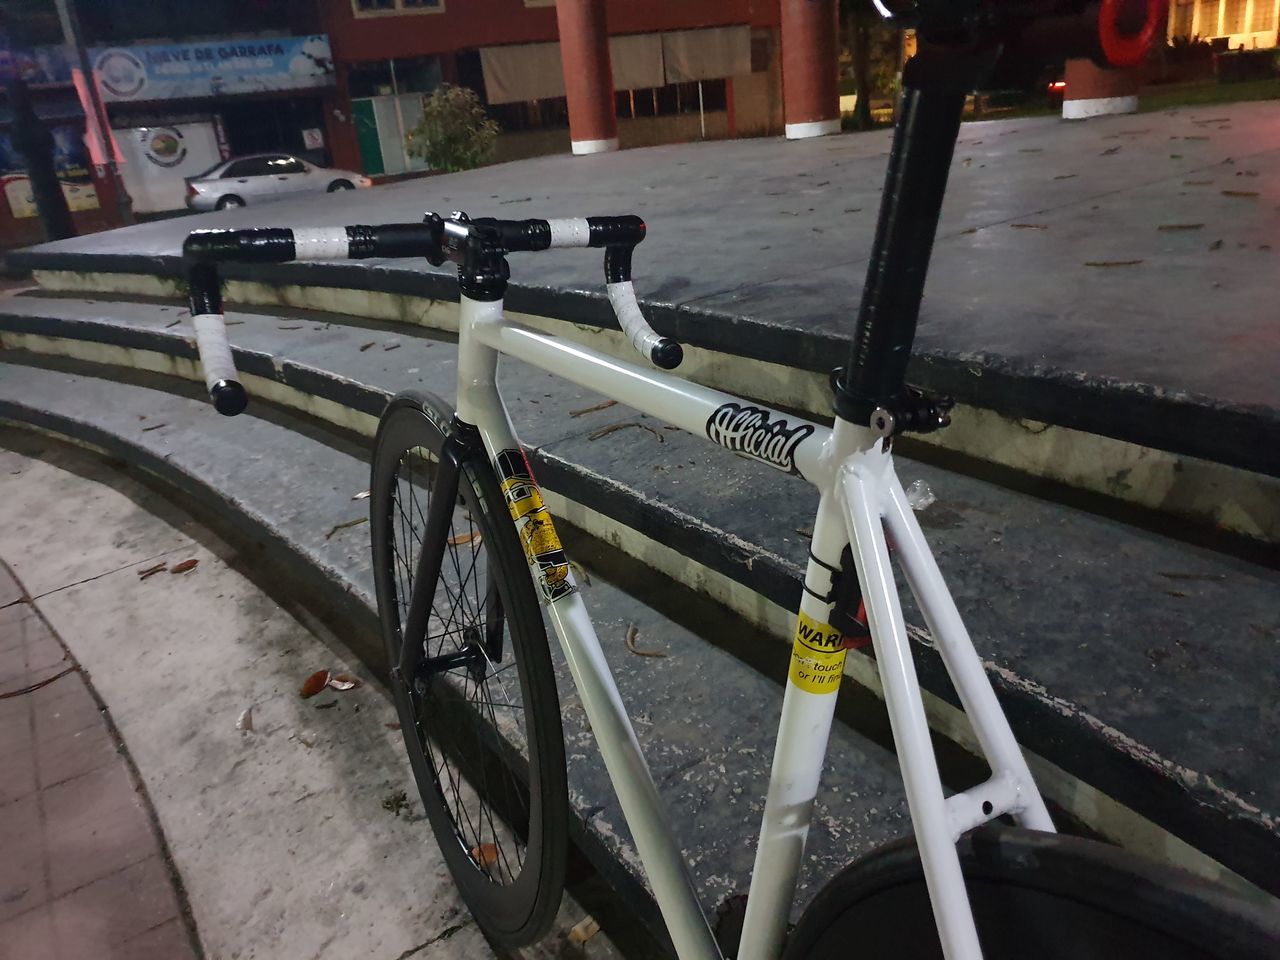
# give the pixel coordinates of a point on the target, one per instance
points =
(168, 71)
(70, 160)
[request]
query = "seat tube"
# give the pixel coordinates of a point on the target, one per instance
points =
(808, 706)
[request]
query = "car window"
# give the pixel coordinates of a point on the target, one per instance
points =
(251, 167)
(287, 165)
(206, 174)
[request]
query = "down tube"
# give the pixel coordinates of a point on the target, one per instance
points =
(479, 402)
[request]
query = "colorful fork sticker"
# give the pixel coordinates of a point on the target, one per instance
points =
(537, 534)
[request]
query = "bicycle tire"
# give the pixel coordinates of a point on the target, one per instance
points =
(509, 870)
(1042, 895)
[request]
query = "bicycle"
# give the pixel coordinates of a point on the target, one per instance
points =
(467, 559)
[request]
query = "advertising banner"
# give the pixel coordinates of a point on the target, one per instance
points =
(70, 159)
(169, 71)
(157, 161)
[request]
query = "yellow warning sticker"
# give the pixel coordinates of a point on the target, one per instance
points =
(817, 656)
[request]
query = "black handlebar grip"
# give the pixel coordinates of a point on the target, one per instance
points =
(667, 354)
(229, 397)
(255, 245)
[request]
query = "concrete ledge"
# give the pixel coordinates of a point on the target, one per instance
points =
(1039, 422)
(1083, 109)
(1127, 788)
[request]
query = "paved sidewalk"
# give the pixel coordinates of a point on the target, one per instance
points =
(85, 872)
(289, 838)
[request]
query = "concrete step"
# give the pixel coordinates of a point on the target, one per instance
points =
(1159, 429)
(1137, 670)
(705, 718)
(1065, 307)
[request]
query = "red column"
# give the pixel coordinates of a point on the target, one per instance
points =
(1093, 92)
(588, 75)
(810, 68)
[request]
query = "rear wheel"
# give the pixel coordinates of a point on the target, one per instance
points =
(229, 201)
(1039, 895)
(482, 727)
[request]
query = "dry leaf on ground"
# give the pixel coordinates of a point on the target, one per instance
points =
(151, 571)
(583, 930)
(245, 720)
(344, 681)
(462, 538)
(630, 641)
(345, 525)
(184, 566)
(314, 684)
(605, 405)
(485, 854)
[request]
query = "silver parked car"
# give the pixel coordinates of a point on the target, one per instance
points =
(262, 177)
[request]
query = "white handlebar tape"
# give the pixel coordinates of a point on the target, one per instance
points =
(570, 232)
(320, 243)
(642, 336)
(215, 353)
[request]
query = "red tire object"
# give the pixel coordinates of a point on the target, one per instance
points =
(1122, 44)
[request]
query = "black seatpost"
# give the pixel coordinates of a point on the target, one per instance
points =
(935, 84)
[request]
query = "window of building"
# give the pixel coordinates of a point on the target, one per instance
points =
(378, 78)
(671, 99)
(549, 114)
(1182, 17)
(1264, 16)
(373, 8)
(1233, 16)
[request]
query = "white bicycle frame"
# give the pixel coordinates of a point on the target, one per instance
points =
(862, 504)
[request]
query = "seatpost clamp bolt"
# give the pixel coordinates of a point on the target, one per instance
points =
(882, 422)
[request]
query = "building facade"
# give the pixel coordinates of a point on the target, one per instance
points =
(698, 69)
(1239, 23)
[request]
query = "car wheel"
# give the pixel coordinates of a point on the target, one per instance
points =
(229, 201)
(341, 185)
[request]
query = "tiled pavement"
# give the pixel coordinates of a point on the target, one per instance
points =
(83, 873)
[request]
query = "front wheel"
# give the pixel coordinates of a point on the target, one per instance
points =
(481, 717)
(341, 185)
(1034, 895)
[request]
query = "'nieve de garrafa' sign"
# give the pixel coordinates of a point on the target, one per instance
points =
(169, 71)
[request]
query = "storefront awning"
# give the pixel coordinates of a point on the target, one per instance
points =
(527, 71)
(706, 54)
(637, 61)
(533, 71)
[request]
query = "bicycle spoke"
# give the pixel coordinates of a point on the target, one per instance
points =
(487, 803)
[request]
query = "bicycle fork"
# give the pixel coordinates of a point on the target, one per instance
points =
(861, 500)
